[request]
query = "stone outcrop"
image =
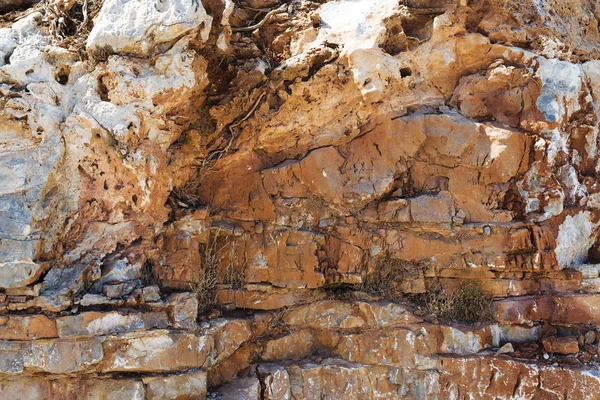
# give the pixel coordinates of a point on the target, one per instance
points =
(290, 200)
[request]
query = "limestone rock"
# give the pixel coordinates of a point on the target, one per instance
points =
(188, 385)
(561, 345)
(60, 356)
(294, 346)
(229, 335)
(27, 327)
(156, 352)
(100, 324)
(276, 380)
(125, 27)
(310, 380)
(188, 207)
(19, 274)
(520, 376)
(243, 389)
(183, 309)
(112, 388)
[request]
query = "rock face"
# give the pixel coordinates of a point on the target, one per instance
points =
(290, 200)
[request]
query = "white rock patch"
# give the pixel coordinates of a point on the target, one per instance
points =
(138, 26)
(574, 239)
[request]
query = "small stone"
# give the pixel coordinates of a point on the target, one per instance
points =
(184, 386)
(118, 291)
(546, 356)
(585, 357)
(151, 294)
(590, 337)
(507, 348)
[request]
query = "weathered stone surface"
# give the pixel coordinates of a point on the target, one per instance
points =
(60, 356)
(19, 274)
(190, 385)
(100, 324)
(398, 347)
(156, 352)
(183, 310)
(575, 309)
(231, 368)
(284, 170)
(333, 377)
(324, 315)
(112, 389)
(463, 377)
(335, 314)
(27, 327)
(124, 27)
(276, 381)
(457, 341)
(11, 357)
(40, 388)
(265, 297)
(294, 346)
(561, 345)
(242, 389)
(228, 336)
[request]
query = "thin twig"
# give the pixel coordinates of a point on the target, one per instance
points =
(249, 112)
(262, 22)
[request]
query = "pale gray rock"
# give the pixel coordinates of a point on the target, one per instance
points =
(138, 27)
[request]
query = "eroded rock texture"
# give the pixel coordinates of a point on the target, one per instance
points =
(197, 198)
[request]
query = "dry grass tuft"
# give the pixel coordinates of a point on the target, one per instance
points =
(186, 196)
(212, 259)
(468, 305)
(205, 289)
(234, 277)
(70, 21)
(389, 275)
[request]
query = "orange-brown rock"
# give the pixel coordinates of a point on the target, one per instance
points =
(155, 352)
(185, 386)
(561, 345)
(27, 327)
(100, 324)
(462, 376)
(294, 199)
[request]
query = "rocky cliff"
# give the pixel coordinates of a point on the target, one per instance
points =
(303, 199)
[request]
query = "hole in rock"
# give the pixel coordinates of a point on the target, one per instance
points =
(404, 72)
(62, 76)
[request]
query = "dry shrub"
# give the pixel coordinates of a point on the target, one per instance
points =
(212, 276)
(388, 276)
(205, 289)
(234, 277)
(338, 290)
(467, 305)
(186, 196)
